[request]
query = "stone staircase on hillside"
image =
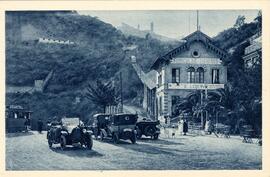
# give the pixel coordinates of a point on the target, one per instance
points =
(146, 78)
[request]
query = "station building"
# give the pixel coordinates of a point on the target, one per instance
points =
(194, 65)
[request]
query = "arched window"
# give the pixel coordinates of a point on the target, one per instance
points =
(200, 75)
(191, 75)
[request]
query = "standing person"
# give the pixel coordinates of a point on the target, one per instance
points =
(185, 127)
(173, 131)
(27, 124)
(40, 125)
(208, 127)
(180, 126)
(49, 124)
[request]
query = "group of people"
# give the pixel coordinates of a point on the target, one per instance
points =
(27, 125)
(183, 128)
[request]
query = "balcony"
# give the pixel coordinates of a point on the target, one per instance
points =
(194, 86)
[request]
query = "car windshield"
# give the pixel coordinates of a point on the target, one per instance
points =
(125, 119)
(103, 120)
(70, 122)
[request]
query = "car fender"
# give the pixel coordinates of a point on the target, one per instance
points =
(90, 132)
(64, 133)
(127, 130)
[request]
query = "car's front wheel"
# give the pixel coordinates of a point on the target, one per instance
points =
(63, 142)
(155, 137)
(49, 140)
(115, 138)
(89, 142)
(139, 134)
(50, 143)
(133, 138)
(149, 131)
(101, 136)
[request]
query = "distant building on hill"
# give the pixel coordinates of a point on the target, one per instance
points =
(133, 31)
(152, 27)
(54, 41)
(39, 86)
(18, 31)
(253, 52)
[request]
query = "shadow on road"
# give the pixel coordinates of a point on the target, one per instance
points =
(146, 148)
(77, 151)
(145, 145)
(109, 141)
(11, 135)
(160, 141)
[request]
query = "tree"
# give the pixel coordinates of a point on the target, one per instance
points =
(223, 101)
(103, 94)
(240, 21)
(195, 105)
(258, 19)
(189, 103)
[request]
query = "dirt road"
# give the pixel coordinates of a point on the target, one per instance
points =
(31, 152)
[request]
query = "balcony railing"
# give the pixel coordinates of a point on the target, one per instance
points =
(194, 86)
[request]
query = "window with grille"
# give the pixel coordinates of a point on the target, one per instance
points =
(215, 76)
(160, 106)
(176, 75)
(200, 75)
(191, 75)
(159, 80)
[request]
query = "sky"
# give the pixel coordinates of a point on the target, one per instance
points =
(175, 23)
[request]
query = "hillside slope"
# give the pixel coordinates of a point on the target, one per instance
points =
(96, 53)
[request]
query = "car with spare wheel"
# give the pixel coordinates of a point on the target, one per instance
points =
(69, 131)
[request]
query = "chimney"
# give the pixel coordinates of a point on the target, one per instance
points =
(152, 27)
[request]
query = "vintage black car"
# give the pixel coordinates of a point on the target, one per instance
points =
(147, 127)
(100, 121)
(69, 131)
(115, 127)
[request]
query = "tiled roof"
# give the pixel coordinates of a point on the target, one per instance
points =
(196, 36)
(149, 79)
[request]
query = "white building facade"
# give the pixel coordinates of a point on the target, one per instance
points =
(195, 65)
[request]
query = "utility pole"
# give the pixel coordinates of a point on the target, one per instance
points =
(201, 108)
(188, 22)
(121, 92)
(206, 99)
(198, 27)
